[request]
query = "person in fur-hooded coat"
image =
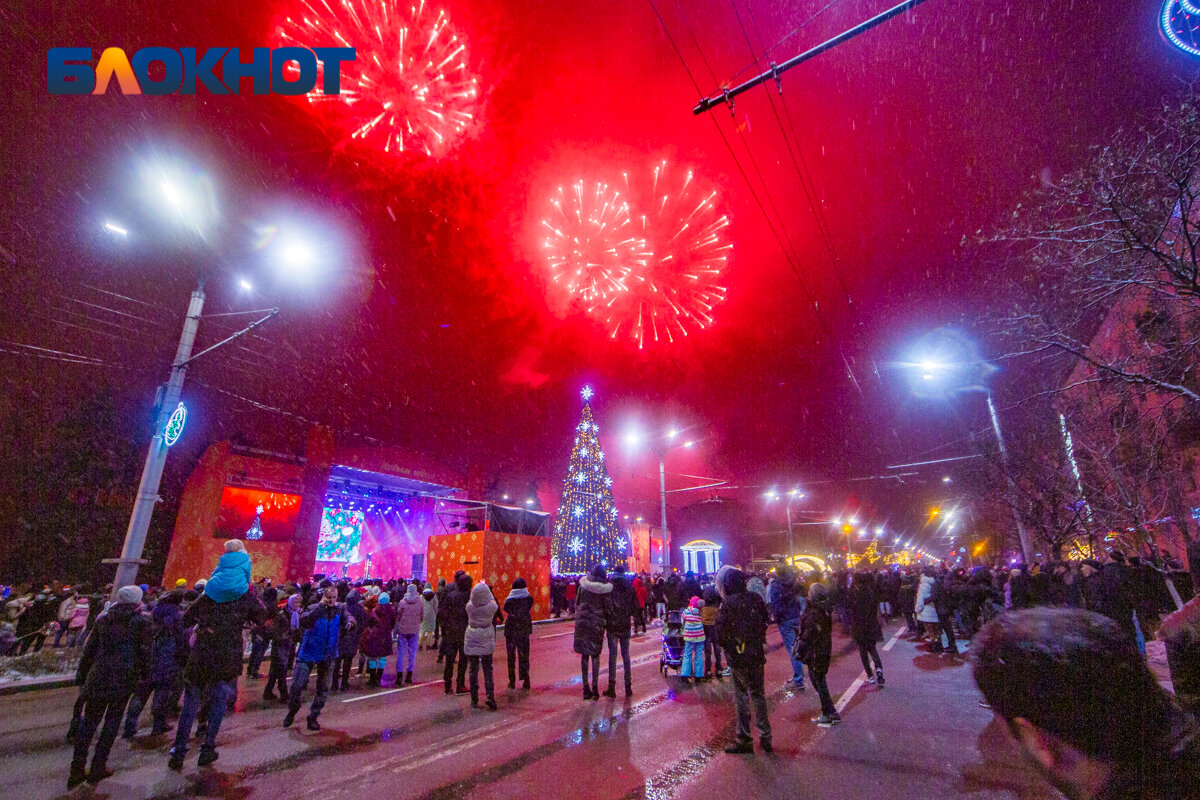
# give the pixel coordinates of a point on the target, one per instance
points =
(593, 607)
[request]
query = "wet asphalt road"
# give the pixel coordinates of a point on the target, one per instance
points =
(922, 736)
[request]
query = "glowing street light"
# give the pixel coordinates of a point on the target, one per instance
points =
(660, 447)
(112, 227)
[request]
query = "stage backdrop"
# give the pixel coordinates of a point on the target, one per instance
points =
(498, 558)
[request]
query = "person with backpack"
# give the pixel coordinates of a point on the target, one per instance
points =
(741, 629)
(814, 647)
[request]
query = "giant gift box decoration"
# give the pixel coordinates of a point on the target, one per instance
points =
(498, 558)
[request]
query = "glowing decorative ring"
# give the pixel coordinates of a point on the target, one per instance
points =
(1180, 25)
(174, 427)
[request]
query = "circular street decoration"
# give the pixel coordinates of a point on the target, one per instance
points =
(1180, 24)
(174, 428)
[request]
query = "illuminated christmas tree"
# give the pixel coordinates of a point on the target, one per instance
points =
(586, 532)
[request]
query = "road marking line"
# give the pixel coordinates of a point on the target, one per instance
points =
(895, 639)
(556, 635)
(392, 691)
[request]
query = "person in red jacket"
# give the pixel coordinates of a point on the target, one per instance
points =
(572, 593)
(639, 610)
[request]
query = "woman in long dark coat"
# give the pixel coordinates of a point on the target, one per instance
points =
(865, 629)
(593, 605)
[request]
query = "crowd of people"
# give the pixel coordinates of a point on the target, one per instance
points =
(183, 651)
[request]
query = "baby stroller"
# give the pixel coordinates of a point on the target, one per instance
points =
(672, 642)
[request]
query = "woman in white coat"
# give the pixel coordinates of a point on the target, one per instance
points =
(480, 642)
(925, 608)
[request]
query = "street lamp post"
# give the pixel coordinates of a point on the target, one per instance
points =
(662, 490)
(933, 370)
(156, 457)
(660, 447)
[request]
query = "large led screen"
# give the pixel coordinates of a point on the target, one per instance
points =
(257, 515)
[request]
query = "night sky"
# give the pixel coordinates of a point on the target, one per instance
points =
(434, 326)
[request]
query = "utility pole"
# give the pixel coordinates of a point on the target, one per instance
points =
(156, 457)
(1022, 534)
(662, 487)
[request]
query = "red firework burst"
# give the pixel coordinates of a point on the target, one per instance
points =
(409, 88)
(590, 244)
(683, 231)
(645, 263)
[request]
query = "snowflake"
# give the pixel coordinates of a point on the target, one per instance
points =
(587, 393)
(584, 453)
(603, 529)
(576, 545)
(621, 543)
(608, 481)
(580, 477)
(578, 511)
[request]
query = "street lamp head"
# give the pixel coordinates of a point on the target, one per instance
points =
(688, 444)
(112, 227)
(671, 434)
(245, 285)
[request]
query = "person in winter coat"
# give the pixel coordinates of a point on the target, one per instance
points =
(518, 627)
(231, 578)
(440, 595)
(755, 584)
(708, 616)
(925, 609)
(66, 609)
(260, 639)
(943, 603)
(693, 642)
(285, 635)
(741, 629)
(479, 643)
(865, 629)
(814, 646)
(409, 613)
(115, 661)
(213, 665)
(349, 641)
(169, 655)
(617, 630)
(690, 587)
(592, 610)
(642, 596)
(660, 599)
(786, 607)
(429, 609)
(454, 629)
(571, 595)
(77, 625)
(377, 639)
(323, 624)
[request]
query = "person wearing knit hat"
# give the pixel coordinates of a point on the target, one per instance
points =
(518, 627)
(181, 583)
(429, 612)
(377, 639)
(410, 611)
(115, 661)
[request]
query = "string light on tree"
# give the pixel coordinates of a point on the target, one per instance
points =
(586, 531)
